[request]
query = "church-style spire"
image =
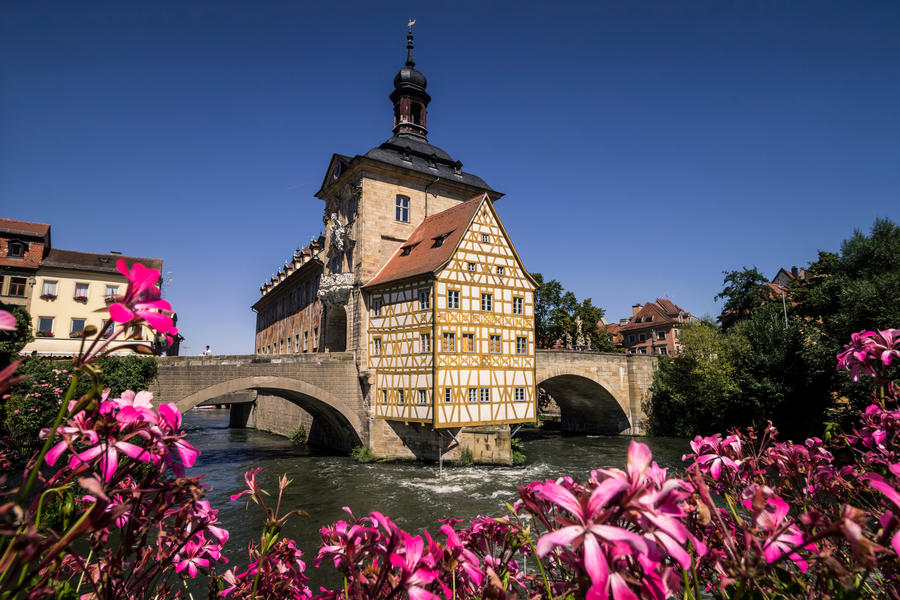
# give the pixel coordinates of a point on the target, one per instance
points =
(409, 96)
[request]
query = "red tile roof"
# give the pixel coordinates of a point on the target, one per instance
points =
(88, 261)
(24, 227)
(425, 256)
(662, 311)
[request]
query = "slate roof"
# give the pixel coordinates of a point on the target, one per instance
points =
(423, 158)
(88, 261)
(425, 256)
(28, 228)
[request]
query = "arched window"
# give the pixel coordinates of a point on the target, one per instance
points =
(17, 249)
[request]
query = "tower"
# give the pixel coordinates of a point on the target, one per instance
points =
(373, 203)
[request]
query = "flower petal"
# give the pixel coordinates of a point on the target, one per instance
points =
(120, 313)
(560, 537)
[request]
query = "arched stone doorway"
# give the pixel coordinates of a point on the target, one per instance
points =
(586, 406)
(336, 329)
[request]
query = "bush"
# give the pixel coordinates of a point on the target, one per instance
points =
(363, 454)
(12, 342)
(518, 452)
(465, 457)
(298, 436)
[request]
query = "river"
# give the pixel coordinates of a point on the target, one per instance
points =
(414, 495)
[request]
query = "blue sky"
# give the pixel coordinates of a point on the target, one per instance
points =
(644, 147)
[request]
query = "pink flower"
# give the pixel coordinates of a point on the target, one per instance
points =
(711, 454)
(416, 571)
(587, 529)
(108, 451)
(252, 486)
(190, 558)
(7, 321)
(142, 300)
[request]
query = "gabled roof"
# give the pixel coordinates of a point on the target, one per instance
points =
(28, 228)
(662, 312)
(425, 255)
(88, 261)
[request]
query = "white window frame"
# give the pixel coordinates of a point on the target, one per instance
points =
(453, 299)
(423, 397)
(401, 213)
(424, 342)
(485, 238)
(376, 350)
(448, 336)
(487, 300)
(50, 319)
(473, 395)
(519, 395)
(85, 287)
(376, 307)
(495, 339)
(485, 395)
(424, 300)
(521, 345)
(465, 348)
(518, 305)
(661, 336)
(50, 287)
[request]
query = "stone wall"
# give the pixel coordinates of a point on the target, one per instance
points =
(488, 444)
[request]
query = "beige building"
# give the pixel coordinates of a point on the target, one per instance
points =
(71, 292)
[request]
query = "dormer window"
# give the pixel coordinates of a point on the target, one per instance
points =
(405, 250)
(650, 318)
(17, 249)
(439, 240)
(638, 320)
(457, 168)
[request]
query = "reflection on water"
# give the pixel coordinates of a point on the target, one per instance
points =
(412, 494)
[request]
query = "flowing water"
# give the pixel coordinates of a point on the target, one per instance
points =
(415, 495)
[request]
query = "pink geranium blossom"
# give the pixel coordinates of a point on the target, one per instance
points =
(7, 321)
(142, 301)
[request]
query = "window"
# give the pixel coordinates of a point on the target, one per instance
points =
(473, 395)
(424, 300)
(81, 291)
(496, 344)
(677, 334)
(468, 342)
(17, 286)
(384, 396)
(405, 250)
(403, 209)
(316, 338)
(111, 290)
(520, 395)
(452, 298)
(423, 397)
(644, 350)
(45, 325)
(424, 342)
(661, 335)
(638, 320)
(648, 319)
(517, 306)
(471, 267)
(48, 289)
(297, 342)
(485, 394)
(77, 328)
(521, 345)
(485, 238)
(376, 307)
(631, 338)
(306, 340)
(487, 302)
(500, 270)
(399, 396)
(17, 249)
(449, 342)
(439, 240)
(377, 350)
(448, 395)
(662, 351)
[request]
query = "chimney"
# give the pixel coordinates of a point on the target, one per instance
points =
(635, 308)
(794, 272)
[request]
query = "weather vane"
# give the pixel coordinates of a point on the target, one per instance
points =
(411, 23)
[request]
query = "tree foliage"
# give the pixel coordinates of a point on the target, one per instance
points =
(555, 311)
(12, 342)
(758, 368)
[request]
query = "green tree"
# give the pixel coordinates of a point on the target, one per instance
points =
(12, 342)
(742, 293)
(555, 311)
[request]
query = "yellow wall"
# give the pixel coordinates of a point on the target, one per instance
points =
(64, 308)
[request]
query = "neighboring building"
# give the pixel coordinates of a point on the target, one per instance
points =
(379, 208)
(654, 328)
(289, 313)
(71, 292)
(451, 327)
(22, 247)
(64, 291)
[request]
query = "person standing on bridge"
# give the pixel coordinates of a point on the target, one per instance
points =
(207, 352)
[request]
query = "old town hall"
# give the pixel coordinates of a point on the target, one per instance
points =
(417, 277)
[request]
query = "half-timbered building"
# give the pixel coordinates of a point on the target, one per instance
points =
(451, 332)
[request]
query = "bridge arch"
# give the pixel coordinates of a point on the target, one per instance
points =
(339, 420)
(586, 405)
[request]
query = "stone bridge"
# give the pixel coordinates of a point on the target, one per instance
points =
(596, 392)
(325, 386)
